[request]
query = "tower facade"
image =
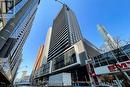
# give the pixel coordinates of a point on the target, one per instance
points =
(14, 34)
(65, 32)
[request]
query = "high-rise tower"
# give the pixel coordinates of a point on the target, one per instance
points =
(65, 32)
(14, 34)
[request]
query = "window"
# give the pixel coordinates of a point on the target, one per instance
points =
(96, 62)
(70, 57)
(45, 68)
(120, 55)
(64, 59)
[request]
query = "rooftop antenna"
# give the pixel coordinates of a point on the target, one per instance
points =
(59, 2)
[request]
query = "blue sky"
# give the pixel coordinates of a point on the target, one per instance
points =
(113, 14)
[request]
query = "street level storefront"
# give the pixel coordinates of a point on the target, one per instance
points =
(72, 61)
(114, 67)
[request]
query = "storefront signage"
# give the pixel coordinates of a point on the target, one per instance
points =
(112, 68)
(122, 66)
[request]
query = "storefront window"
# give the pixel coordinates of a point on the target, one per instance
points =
(112, 57)
(65, 59)
(120, 55)
(70, 57)
(45, 68)
(96, 62)
(127, 50)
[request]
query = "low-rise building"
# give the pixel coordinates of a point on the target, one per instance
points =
(113, 66)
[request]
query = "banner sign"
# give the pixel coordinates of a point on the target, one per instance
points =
(125, 66)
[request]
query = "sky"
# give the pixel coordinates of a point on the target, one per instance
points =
(113, 14)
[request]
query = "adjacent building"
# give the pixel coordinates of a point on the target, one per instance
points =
(7, 9)
(39, 57)
(24, 73)
(38, 64)
(114, 66)
(24, 80)
(47, 45)
(17, 24)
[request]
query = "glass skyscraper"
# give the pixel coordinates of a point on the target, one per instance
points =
(13, 36)
(65, 32)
